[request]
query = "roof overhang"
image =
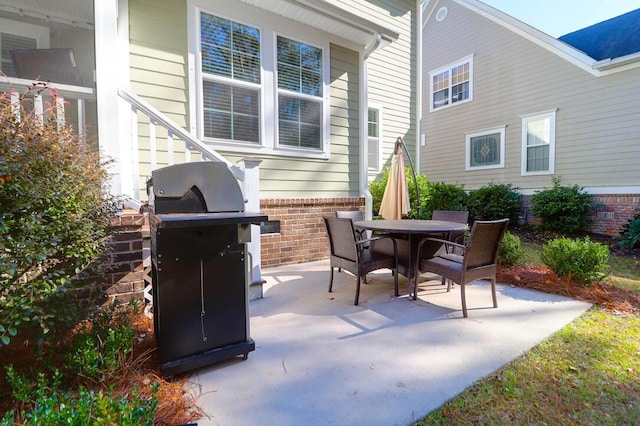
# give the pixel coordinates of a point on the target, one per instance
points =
(330, 18)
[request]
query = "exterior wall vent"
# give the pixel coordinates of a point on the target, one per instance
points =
(441, 14)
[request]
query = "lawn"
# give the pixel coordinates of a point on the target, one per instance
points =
(587, 373)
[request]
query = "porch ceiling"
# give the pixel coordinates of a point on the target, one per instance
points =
(72, 12)
(328, 17)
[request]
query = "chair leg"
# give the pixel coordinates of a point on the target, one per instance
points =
(464, 301)
(449, 282)
(395, 282)
(331, 280)
(493, 292)
(357, 289)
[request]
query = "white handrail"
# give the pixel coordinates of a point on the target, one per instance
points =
(157, 117)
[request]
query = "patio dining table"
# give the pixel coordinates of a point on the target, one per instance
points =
(408, 233)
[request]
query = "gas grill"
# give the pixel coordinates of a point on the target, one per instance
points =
(199, 231)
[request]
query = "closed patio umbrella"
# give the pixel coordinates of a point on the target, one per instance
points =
(395, 201)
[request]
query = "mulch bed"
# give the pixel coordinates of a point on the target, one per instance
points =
(543, 279)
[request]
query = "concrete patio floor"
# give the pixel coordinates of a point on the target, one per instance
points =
(320, 360)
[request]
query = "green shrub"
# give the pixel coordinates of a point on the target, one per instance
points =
(583, 261)
(562, 209)
(54, 220)
(494, 201)
(510, 252)
(445, 196)
(87, 407)
(98, 351)
(631, 233)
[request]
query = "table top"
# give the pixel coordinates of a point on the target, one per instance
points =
(410, 226)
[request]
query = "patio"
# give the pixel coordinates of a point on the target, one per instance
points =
(321, 360)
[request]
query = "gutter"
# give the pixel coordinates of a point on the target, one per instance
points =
(364, 135)
(609, 63)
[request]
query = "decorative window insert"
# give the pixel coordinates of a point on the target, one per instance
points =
(299, 94)
(452, 85)
(485, 150)
(538, 143)
(258, 91)
(374, 137)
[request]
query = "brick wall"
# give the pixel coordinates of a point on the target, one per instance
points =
(302, 236)
(126, 279)
(610, 213)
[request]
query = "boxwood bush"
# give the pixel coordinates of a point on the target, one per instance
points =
(630, 232)
(562, 209)
(583, 261)
(494, 201)
(510, 252)
(445, 196)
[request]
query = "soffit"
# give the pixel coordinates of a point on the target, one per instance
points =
(329, 18)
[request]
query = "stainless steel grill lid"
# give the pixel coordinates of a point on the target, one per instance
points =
(199, 187)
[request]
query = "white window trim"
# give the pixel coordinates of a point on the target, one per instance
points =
(270, 27)
(552, 142)
(501, 131)
(448, 68)
(374, 169)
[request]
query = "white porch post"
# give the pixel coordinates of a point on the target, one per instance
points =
(108, 46)
(251, 191)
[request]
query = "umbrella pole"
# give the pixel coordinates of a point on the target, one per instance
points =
(400, 144)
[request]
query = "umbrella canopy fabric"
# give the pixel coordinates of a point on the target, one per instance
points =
(395, 201)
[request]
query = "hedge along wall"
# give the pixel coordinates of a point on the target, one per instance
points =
(610, 213)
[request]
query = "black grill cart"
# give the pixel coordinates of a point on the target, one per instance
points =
(199, 265)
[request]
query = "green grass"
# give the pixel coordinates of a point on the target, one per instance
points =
(588, 373)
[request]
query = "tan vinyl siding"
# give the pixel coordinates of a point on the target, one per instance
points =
(391, 75)
(337, 177)
(596, 121)
(158, 55)
(159, 46)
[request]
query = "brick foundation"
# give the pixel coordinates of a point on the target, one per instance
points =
(610, 213)
(302, 236)
(126, 279)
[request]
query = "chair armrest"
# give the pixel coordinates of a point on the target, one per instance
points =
(381, 237)
(439, 240)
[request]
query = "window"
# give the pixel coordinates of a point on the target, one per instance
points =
(485, 150)
(452, 85)
(231, 79)
(538, 143)
(259, 91)
(374, 137)
(299, 94)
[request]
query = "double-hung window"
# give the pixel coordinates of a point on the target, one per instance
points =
(230, 79)
(374, 137)
(485, 150)
(258, 90)
(538, 143)
(452, 84)
(299, 94)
